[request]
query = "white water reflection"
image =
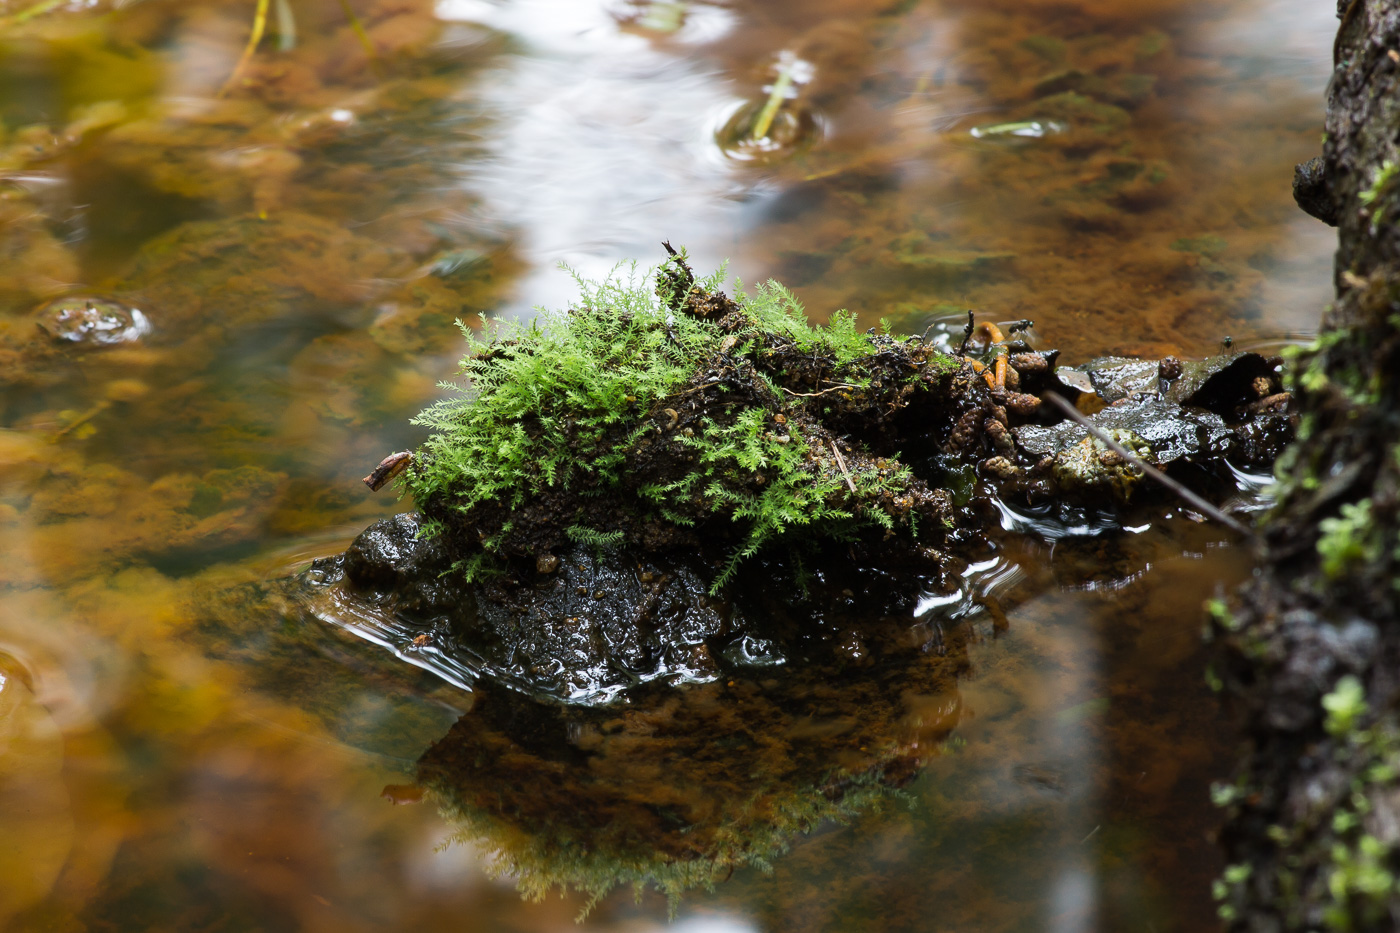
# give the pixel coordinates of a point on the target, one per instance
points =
(604, 145)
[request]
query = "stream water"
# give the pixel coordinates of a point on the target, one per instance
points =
(225, 290)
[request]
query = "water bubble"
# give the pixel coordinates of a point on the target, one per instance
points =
(96, 322)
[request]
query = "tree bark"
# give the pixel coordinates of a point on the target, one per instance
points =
(1311, 648)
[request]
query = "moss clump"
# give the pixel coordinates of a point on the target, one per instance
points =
(593, 863)
(1348, 539)
(674, 416)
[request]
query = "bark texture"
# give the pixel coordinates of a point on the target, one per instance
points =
(1311, 649)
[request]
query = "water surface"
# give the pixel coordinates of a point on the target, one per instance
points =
(175, 753)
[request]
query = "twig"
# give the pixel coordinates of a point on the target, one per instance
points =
(388, 468)
(360, 33)
(259, 25)
(967, 334)
(81, 420)
(841, 462)
(764, 122)
(1199, 504)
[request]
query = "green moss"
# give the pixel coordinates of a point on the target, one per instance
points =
(1361, 883)
(1219, 611)
(1375, 198)
(562, 402)
(1347, 539)
(536, 398)
(1345, 705)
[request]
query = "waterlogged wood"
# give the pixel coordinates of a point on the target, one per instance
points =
(388, 468)
(1309, 651)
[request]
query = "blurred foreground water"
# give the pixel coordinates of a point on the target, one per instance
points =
(218, 311)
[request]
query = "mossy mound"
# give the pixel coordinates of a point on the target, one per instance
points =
(674, 416)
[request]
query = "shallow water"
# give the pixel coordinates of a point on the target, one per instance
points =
(181, 749)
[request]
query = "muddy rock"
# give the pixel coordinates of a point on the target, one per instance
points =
(582, 627)
(1209, 416)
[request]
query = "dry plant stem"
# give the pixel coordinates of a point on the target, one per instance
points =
(1195, 501)
(845, 470)
(259, 26)
(764, 123)
(835, 388)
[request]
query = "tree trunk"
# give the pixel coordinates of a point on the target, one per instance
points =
(1311, 650)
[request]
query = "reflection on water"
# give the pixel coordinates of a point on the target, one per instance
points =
(182, 748)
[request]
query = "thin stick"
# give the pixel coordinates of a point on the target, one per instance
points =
(38, 9)
(360, 33)
(764, 123)
(841, 462)
(1199, 504)
(259, 25)
(79, 421)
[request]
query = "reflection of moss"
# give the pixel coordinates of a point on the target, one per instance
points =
(679, 788)
(1210, 245)
(1125, 90)
(753, 836)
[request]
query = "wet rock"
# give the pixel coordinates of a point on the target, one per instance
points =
(1090, 467)
(585, 627)
(1193, 425)
(391, 557)
(92, 322)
